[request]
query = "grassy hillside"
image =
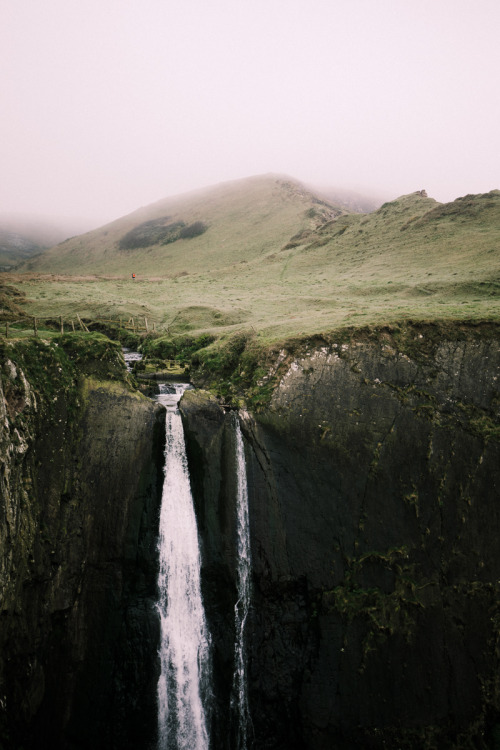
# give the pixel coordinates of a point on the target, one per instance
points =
(274, 260)
(202, 231)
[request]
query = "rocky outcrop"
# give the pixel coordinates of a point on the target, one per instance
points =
(80, 489)
(373, 491)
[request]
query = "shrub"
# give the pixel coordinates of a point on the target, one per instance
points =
(193, 230)
(159, 232)
(178, 347)
(153, 232)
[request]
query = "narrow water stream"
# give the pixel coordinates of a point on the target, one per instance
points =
(130, 357)
(239, 696)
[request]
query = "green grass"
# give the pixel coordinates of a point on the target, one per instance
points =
(275, 264)
(55, 362)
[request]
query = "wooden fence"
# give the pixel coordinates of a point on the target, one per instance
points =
(132, 324)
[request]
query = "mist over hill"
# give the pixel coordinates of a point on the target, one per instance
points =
(22, 236)
(353, 201)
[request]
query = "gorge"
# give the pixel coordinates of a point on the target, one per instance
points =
(372, 481)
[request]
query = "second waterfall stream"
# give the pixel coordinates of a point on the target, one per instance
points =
(239, 697)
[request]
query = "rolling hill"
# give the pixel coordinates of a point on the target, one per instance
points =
(204, 230)
(267, 255)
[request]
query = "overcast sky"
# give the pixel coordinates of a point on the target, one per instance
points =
(108, 105)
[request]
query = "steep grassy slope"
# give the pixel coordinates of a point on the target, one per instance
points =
(203, 231)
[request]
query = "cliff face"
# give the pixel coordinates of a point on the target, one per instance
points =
(373, 480)
(80, 488)
(373, 491)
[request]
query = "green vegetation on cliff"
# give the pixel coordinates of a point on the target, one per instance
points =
(53, 366)
(373, 500)
(244, 368)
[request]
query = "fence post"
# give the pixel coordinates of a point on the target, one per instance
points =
(35, 328)
(62, 324)
(73, 325)
(82, 324)
(146, 322)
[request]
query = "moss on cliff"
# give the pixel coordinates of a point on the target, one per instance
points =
(38, 374)
(53, 363)
(385, 611)
(373, 476)
(244, 369)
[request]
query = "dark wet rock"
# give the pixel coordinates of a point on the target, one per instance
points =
(374, 477)
(80, 487)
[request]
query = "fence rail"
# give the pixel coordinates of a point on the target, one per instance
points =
(132, 324)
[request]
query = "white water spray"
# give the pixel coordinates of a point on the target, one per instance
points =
(239, 696)
(185, 643)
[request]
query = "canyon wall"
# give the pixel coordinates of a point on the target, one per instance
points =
(373, 491)
(373, 478)
(80, 489)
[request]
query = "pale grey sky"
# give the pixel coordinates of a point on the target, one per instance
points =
(108, 105)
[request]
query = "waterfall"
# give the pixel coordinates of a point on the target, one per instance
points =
(239, 695)
(183, 686)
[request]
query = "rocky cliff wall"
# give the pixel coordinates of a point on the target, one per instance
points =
(373, 491)
(80, 488)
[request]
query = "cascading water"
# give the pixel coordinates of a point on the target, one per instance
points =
(184, 684)
(239, 696)
(130, 357)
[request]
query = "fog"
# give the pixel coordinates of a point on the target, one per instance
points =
(108, 105)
